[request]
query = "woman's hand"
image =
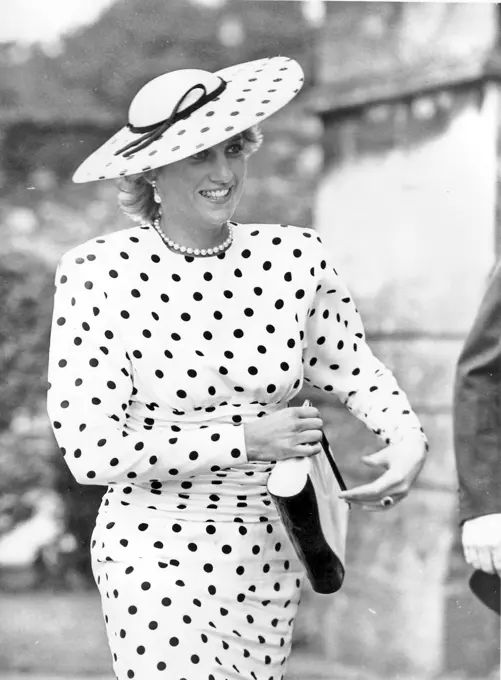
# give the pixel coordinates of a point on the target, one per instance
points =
(481, 538)
(402, 462)
(294, 432)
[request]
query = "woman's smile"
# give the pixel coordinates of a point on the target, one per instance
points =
(216, 195)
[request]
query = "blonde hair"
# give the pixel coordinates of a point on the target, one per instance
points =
(135, 195)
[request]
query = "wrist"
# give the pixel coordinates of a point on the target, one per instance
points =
(415, 437)
(251, 444)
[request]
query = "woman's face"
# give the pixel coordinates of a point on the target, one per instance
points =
(203, 191)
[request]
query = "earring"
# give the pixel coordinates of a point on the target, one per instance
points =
(156, 195)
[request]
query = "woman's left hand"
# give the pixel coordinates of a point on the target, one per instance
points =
(402, 462)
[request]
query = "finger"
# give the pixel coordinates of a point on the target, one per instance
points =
(309, 424)
(374, 508)
(469, 554)
(309, 437)
(367, 507)
(484, 557)
(305, 411)
(385, 485)
(472, 557)
(376, 505)
(304, 450)
(496, 560)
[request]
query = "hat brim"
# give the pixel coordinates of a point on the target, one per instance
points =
(255, 90)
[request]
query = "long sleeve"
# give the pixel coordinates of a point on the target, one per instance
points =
(477, 409)
(338, 360)
(91, 387)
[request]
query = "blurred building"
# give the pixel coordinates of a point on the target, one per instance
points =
(409, 97)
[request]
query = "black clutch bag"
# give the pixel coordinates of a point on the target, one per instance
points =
(305, 492)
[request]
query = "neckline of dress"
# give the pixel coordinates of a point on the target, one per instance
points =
(180, 257)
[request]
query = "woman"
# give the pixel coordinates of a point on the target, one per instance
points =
(176, 347)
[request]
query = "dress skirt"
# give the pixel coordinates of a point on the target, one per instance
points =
(188, 598)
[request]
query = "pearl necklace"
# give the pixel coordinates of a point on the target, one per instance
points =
(196, 252)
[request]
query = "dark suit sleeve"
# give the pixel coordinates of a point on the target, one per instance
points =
(477, 409)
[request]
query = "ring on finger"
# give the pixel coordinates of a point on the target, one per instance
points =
(387, 501)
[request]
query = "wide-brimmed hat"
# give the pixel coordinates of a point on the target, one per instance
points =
(183, 112)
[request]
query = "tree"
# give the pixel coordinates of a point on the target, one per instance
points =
(26, 290)
(103, 65)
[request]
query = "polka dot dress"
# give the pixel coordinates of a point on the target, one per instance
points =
(157, 361)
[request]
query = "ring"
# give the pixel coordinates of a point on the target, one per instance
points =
(387, 502)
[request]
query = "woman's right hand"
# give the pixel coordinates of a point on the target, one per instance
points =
(294, 432)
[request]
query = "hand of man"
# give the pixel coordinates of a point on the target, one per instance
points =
(482, 543)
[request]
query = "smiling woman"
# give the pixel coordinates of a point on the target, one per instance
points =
(176, 348)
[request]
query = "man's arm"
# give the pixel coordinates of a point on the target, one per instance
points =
(477, 409)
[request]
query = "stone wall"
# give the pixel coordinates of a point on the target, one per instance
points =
(412, 209)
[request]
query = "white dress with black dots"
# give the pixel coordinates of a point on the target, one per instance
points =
(157, 359)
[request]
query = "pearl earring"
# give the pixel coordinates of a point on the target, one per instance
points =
(156, 196)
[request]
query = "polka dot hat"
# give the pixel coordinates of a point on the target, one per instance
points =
(183, 112)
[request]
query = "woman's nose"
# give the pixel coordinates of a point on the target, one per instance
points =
(221, 171)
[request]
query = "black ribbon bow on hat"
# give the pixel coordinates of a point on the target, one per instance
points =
(152, 132)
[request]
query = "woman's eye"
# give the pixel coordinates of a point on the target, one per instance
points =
(201, 155)
(235, 149)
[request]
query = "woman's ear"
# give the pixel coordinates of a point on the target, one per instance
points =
(150, 176)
